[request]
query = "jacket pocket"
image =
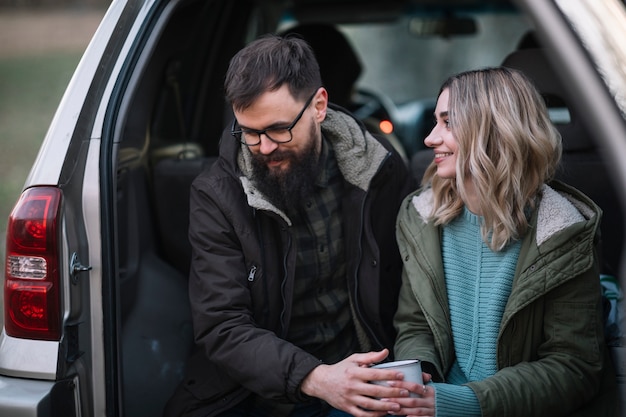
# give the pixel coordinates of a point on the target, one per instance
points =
(574, 332)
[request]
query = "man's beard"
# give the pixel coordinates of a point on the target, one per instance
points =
(288, 189)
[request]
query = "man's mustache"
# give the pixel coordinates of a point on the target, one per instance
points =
(274, 156)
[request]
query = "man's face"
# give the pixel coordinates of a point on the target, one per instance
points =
(285, 171)
(278, 109)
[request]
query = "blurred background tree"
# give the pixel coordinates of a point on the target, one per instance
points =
(47, 4)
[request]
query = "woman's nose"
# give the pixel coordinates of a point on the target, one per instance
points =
(433, 138)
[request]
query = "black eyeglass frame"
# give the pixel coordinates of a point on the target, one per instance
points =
(238, 134)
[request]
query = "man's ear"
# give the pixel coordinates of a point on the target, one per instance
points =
(320, 102)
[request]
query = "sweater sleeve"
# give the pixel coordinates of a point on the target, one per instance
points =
(455, 401)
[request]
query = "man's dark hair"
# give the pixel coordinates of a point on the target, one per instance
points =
(340, 66)
(266, 64)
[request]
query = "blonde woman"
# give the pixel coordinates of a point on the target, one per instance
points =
(500, 296)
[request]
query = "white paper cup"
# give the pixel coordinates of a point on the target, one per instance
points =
(411, 368)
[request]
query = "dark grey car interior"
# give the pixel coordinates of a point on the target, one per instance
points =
(174, 116)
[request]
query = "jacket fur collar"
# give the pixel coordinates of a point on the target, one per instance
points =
(557, 210)
(358, 154)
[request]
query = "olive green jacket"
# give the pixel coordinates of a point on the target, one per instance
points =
(551, 354)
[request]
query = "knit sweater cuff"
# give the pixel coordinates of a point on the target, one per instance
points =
(455, 401)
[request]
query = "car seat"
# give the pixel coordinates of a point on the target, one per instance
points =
(172, 178)
(581, 165)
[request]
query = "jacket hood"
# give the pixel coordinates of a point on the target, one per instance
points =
(358, 154)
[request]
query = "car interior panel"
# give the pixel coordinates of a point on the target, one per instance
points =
(177, 112)
(165, 152)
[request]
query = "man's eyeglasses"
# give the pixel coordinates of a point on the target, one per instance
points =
(279, 134)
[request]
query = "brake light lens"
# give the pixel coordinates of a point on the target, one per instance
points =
(32, 299)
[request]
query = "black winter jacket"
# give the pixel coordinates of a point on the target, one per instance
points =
(243, 263)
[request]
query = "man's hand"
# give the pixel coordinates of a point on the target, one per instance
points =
(345, 385)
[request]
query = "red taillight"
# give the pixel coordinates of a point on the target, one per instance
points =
(31, 288)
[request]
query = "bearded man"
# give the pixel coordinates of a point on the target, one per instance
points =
(295, 267)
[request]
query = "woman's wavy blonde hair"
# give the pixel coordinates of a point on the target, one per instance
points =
(507, 146)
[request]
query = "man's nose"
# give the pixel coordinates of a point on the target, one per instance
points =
(267, 146)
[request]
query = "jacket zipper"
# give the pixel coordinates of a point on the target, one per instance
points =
(282, 290)
(360, 250)
(252, 273)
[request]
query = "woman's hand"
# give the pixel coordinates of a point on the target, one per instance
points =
(421, 402)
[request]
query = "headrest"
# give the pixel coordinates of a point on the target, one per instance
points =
(339, 65)
(534, 64)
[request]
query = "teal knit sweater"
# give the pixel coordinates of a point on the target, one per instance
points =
(478, 283)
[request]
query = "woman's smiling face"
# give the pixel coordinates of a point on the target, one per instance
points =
(441, 139)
